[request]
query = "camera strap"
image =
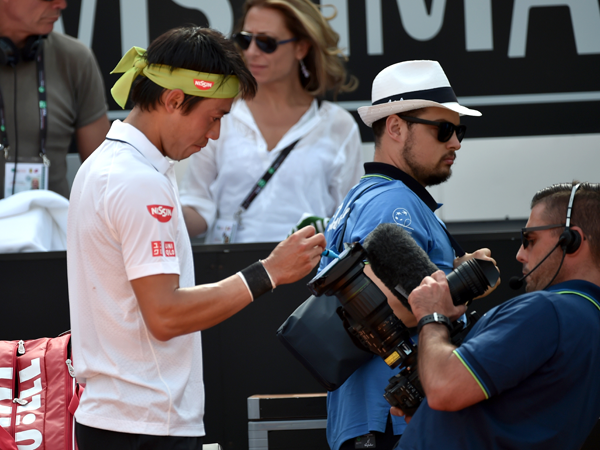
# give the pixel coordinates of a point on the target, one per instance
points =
(340, 239)
(388, 172)
(458, 250)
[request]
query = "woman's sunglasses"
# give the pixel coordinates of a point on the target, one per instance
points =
(445, 129)
(265, 43)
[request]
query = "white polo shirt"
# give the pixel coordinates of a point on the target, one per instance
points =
(125, 222)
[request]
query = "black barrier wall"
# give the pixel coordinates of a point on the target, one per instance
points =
(531, 67)
(242, 357)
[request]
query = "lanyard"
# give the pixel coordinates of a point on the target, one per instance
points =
(42, 105)
(3, 132)
(260, 185)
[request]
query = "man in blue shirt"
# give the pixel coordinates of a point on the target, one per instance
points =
(415, 119)
(526, 376)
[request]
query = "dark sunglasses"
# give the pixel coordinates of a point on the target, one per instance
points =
(524, 231)
(445, 129)
(265, 43)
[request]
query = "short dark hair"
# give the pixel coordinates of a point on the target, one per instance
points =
(585, 212)
(193, 48)
(379, 125)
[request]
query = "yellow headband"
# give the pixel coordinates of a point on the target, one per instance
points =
(200, 84)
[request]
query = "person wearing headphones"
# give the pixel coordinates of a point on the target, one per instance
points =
(50, 90)
(526, 376)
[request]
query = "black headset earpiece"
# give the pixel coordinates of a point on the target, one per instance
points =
(570, 240)
(10, 55)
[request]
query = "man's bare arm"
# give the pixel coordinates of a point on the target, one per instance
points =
(91, 136)
(448, 385)
(194, 222)
(171, 311)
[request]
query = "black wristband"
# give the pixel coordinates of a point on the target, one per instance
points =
(434, 318)
(257, 279)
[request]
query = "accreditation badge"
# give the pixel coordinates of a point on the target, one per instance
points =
(25, 174)
(223, 232)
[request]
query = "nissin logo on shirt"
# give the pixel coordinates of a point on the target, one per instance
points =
(203, 85)
(161, 212)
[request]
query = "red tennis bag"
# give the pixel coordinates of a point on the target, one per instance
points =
(37, 386)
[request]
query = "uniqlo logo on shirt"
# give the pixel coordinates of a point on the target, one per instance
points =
(169, 248)
(156, 248)
(161, 212)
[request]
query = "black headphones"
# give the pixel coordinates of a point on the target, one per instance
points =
(10, 55)
(570, 240)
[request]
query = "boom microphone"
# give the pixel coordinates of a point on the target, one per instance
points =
(401, 265)
(517, 282)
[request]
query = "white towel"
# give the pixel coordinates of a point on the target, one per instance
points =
(33, 221)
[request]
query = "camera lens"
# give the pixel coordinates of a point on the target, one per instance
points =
(471, 279)
(373, 322)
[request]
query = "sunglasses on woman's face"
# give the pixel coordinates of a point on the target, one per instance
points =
(445, 129)
(265, 43)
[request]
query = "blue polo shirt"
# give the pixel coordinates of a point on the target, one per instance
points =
(384, 195)
(537, 359)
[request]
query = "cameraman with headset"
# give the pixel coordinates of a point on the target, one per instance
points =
(526, 376)
(50, 90)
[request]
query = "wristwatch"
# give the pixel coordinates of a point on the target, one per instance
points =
(435, 317)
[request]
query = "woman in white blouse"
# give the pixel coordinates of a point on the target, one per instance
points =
(292, 52)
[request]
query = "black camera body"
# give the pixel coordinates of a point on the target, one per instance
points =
(367, 315)
(372, 325)
(404, 389)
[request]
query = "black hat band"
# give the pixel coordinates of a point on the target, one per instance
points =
(438, 95)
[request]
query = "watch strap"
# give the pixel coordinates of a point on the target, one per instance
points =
(434, 318)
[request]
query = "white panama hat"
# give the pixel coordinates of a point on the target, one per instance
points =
(411, 85)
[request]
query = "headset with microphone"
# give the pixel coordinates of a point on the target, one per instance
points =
(569, 241)
(11, 55)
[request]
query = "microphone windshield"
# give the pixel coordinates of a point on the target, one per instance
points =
(516, 283)
(401, 265)
(397, 260)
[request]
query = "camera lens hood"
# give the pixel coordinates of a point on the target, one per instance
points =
(471, 279)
